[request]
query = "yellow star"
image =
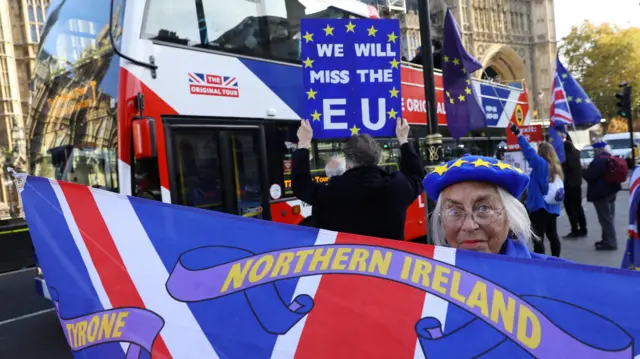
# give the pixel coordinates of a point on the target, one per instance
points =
(307, 36)
(394, 92)
(464, 71)
(458, 163)
(468, 91)
(451, 101)
(394, 64)
(461, 98)
(448, 94)
(446, 59)
(354, 130)
(328, 30)
(308, 62)
(316, 115)
(372, 31)
(587, 100)
(561, 83)
(392, 37)
(440, 170)
(311, 94)
(564, 76)
(502, 165)
(569, 98)
(392, 114)
(456, 61)
(578, 100)
(468, 82)
(480, 162)
(351, 27)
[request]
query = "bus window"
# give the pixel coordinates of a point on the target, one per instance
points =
(267, 29)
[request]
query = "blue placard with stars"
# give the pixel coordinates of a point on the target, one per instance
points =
(351, 70)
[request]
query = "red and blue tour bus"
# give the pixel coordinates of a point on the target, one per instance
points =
(197, 103)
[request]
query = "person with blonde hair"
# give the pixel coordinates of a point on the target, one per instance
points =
(543, 196)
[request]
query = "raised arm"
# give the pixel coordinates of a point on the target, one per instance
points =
(410, 164)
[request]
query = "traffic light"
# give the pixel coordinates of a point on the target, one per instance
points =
(624, 100)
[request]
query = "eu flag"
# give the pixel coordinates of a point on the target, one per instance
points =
(464, 112)
(583, 111)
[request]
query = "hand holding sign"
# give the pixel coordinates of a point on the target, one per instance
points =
(351, 72)
(305, 134)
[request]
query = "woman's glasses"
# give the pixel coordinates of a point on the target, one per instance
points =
(483, 215)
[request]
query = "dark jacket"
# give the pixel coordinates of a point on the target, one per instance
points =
(365, 200)
(572, 167)
(598, 188)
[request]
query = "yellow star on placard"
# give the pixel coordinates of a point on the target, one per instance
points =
(452, 101)
(394, 64)
(578, 100)
(316, 115)
(392, 114)
(311, 94)
(448, 94)
(446, 59)
(354, 130)
(351, 27)
(394, 92)
(372, 31)
(468, 91)
(456, 61)
(564, 76)
(587, 100)
(464, 71)
(307, 36)
(440, 170)
(458, 163)
(569, 98)
(468, 82)
(392, 37)
(480, 162)
(308, 62)
(328, 30)
(461, 98)
(502, 165)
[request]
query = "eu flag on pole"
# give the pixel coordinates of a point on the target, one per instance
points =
(631, 257)
(464, 112)
(583, 110)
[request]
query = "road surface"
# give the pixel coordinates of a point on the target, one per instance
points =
(29, 328)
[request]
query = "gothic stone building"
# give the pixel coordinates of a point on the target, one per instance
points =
(513, 39)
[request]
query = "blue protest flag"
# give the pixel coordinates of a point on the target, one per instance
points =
(583, 111)
(464, 112)
(555, 138)
(351, 76)
(173, 281)
(631, 257)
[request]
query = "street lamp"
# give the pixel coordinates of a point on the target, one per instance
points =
(435, 153)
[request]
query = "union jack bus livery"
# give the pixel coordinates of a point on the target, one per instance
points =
(197, 103)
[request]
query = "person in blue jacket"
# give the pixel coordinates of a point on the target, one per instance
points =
(477, 207)
(545, 166)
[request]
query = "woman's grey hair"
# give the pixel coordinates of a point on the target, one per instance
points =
(335, 167)
(517, 219)
(606, 148)
(362, 150)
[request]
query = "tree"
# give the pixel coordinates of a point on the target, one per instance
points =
(600, 57)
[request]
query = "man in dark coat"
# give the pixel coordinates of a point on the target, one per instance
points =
(603, 195)
(366, 199)
(572, 169)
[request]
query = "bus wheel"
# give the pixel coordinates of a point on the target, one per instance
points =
(308, 222)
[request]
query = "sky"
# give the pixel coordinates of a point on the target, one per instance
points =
(624, 13)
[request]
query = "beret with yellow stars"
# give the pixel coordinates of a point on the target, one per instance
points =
(476, 168)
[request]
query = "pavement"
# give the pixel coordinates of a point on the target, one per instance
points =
(29, 328)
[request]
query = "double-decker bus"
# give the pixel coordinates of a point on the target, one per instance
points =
(197, 103)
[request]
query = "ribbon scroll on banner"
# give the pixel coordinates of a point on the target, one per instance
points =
(351, 70)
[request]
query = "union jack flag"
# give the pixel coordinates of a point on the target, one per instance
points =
(230, 81)
(631, 258)
(196, 78)
(560, 112)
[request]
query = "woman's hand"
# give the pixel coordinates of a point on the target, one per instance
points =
(514, 129)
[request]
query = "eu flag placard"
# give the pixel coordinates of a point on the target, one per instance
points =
(351, 70)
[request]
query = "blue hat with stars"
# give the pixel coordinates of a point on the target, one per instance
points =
(600, 144)
(476, 168)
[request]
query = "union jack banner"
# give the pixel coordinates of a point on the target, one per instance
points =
(135, 278)
(560, 112)
(631, 259)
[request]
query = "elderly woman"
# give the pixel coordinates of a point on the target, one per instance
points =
(477, 207)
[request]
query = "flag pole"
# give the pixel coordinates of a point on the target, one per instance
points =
(435, 152)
